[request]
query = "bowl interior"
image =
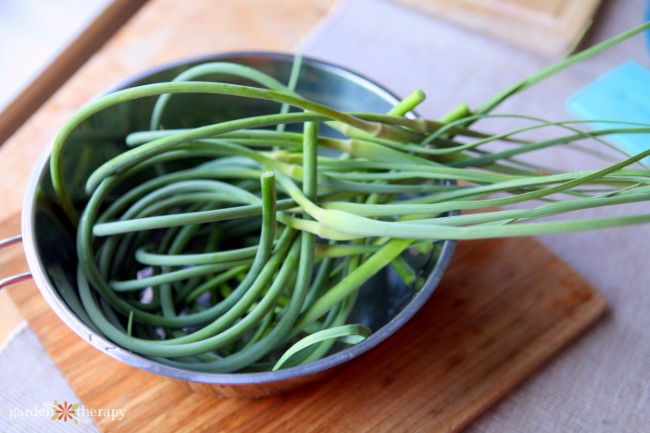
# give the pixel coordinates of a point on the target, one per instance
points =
(384, 304)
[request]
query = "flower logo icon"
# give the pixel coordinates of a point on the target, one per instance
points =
(65, 411)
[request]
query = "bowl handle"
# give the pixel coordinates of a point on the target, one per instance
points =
(14, 278)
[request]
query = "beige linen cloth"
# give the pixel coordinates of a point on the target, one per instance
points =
(30, 383)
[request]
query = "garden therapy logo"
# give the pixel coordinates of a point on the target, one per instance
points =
(65, 411)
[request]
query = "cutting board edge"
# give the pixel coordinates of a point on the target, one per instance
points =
(537, 357)
(551, 36)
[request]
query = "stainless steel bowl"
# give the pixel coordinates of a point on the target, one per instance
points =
(384, 305)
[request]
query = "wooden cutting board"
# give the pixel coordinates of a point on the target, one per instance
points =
(546, 26)
(503, 309)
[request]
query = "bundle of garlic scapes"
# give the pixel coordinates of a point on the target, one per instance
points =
(249, 256)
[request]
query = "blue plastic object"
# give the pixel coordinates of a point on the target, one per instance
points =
(623, 94)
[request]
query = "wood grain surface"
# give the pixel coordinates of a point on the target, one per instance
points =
(490, 325)
(546, 26)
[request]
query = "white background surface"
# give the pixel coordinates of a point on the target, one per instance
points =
(32, 33)
(602, 382)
